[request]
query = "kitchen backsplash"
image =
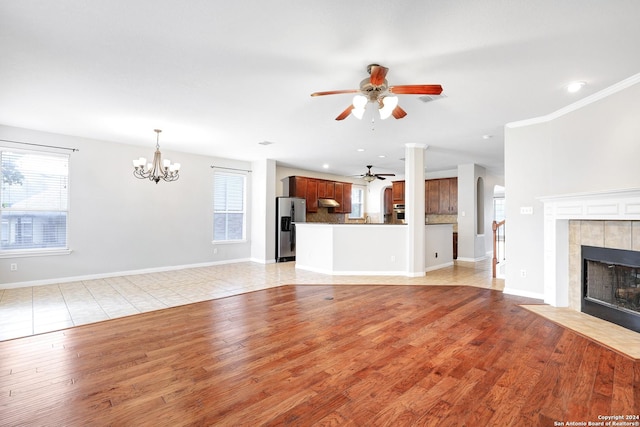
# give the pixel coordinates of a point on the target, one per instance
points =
(323, 215)
(443, 219)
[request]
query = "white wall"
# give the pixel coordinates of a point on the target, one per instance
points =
(438, 246)
(118, 223)
(592, 148)
(374, 192)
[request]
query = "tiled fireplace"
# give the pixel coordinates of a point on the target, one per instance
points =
(601, 220)
(610, 285)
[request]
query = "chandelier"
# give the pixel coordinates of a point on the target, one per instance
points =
(159, 169)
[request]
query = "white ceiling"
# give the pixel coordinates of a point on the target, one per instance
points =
(219, 77)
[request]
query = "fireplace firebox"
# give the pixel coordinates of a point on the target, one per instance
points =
(611, 285)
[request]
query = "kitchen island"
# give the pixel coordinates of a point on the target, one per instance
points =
(368, 249)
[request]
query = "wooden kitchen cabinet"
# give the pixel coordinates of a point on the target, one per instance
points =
(339, 191)
(444, 196)
(346, 197)
(388, 201)
(307, 188)
(312, 195)
(397, 192)
(297, 186)
(453, 195)
(343, 197)
(326, 189)
(432, 198)
(448, 196)
(331, 190)
(322, 189)
(441, 196)
(312, 189)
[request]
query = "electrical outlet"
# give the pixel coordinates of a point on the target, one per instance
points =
(14, 267)
(393, 258)
(215, 251)
(526, 210)
(523, 273)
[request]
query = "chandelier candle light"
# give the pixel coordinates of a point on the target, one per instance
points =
(158, 170)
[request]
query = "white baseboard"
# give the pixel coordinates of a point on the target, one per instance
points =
(43, 282)
(522, 293)
(482, 258)
(350, 273)
(439, 266)
(372, 273)
(263, 261)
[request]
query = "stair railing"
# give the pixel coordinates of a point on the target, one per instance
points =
(498, 249)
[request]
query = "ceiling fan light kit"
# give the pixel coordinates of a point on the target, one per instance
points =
(369, 176)
(376, 90)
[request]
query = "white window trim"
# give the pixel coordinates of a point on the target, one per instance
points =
(27, 253)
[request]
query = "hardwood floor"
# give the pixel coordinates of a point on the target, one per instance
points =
(320, 355)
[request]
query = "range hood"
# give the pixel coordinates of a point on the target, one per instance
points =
(328, 203)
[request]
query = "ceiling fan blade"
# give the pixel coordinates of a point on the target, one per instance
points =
(380, 177)
(335, 92)
(398, 112)
(345, 113)
(416, 89)
(378, 73)
(385, 174)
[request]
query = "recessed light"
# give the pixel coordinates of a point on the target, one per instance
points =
(361, 149)
(575, 86)
(326, 166)
(381, 156)
(487, 136)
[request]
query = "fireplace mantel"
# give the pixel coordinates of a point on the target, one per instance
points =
(614, 205)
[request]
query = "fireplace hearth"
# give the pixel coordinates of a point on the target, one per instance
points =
(611, 285)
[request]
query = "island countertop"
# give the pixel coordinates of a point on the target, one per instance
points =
(368, 249)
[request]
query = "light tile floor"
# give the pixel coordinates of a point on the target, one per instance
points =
(616, 337)
(39, 309)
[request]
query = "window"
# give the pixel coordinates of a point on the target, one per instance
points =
(357, 203)
(228, 206)
(498, 209)
(33, 200)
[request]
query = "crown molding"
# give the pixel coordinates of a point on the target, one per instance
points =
(624, 84)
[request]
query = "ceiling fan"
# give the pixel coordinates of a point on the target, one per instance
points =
(373, 176)
(376, 90)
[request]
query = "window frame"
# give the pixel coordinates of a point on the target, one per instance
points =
(243, 239)
(39, 251)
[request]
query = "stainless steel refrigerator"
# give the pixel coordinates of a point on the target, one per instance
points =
(289, 211)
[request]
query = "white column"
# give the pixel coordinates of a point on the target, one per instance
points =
(263, 211)
(414, 209)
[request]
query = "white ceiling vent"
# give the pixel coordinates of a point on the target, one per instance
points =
(429, 98)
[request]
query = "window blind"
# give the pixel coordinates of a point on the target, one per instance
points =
(228, 206)
(33, 200)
